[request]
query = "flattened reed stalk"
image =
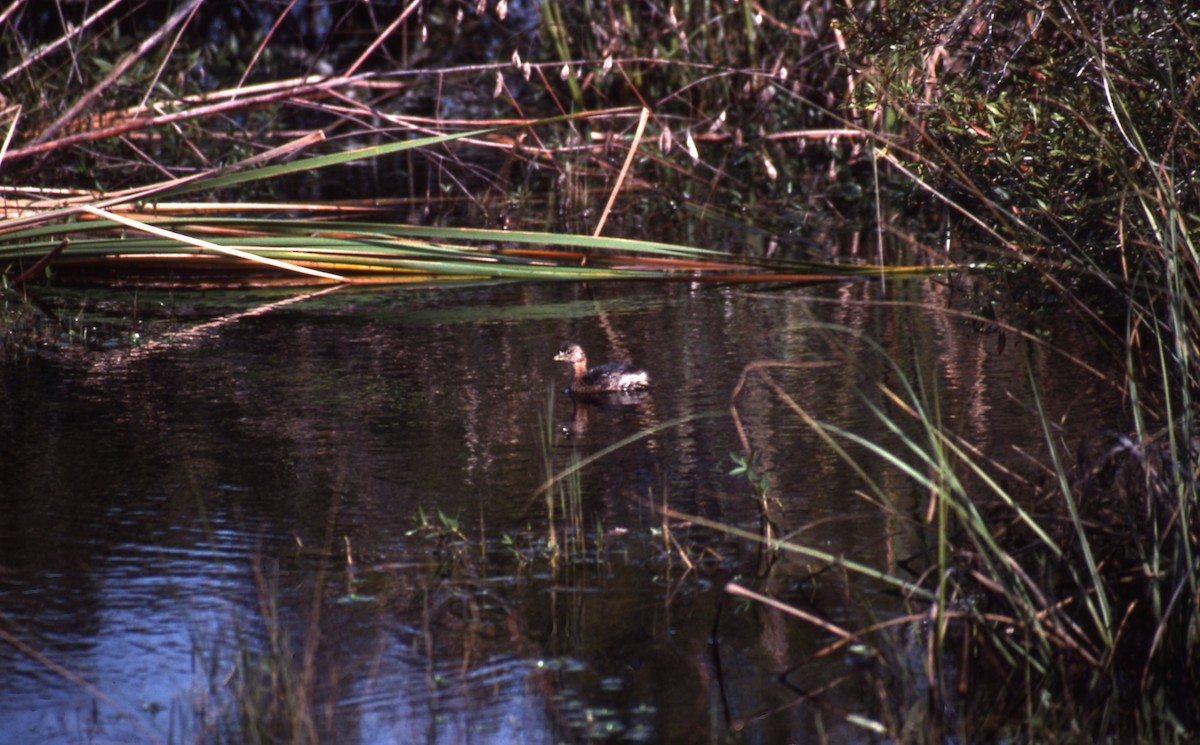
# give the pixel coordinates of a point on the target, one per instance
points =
(697, 68)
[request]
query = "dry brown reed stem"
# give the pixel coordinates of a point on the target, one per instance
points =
(284, 150)
(311, 86)
(263, 44)
(41, 263)
(633, 148)
(118, 70)
(65, 200)
(733, 588)
(21, 208)
(15, 110)
(153, 84)
(383, 36)
(555, 67)
(805, 134)
(811, 698)
(12, 8)
(781, 25)
(1059, 627)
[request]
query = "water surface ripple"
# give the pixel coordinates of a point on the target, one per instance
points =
(254, 493)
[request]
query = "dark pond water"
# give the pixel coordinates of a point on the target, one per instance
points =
(177, 524)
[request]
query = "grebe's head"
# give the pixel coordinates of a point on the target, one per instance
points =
(570, 352)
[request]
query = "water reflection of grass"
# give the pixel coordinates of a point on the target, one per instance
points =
(1027, 580)
(453, 595)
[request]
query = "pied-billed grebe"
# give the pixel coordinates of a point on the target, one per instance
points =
(611, 376)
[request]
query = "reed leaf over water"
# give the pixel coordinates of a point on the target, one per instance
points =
(356, 250)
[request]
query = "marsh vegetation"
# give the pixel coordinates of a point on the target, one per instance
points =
(941, 257)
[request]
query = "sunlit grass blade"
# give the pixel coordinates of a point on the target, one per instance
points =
(365, 248)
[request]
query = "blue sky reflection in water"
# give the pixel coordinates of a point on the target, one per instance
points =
(163, 512)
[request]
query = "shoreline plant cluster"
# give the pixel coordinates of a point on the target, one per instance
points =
(1068, 128)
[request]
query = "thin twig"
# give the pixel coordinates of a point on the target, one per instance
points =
(383, 36)
(633, 148)
(734, 588)
(165, 59)
(263, 45)
(307, 87)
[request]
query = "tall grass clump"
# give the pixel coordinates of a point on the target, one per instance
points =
(1043, 607)
(319, 134)
(1063, 137)
(1060, 140)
